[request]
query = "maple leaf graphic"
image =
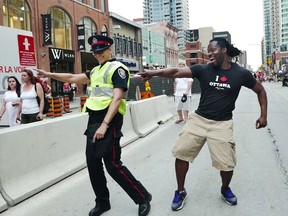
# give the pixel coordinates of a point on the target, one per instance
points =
(223, 79)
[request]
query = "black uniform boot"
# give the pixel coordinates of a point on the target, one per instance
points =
(99, 209)
(144, 207)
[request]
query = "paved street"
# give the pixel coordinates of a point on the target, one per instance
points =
(260, 181)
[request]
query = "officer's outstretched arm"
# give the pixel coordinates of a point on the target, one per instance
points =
(64, 77)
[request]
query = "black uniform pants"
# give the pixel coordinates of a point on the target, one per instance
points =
(117, 171)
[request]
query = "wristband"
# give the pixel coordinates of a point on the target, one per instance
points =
(105, 123)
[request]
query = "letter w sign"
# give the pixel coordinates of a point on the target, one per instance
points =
(56, 54)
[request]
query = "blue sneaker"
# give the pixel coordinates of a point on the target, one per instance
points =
(179, 200)
(229, 197)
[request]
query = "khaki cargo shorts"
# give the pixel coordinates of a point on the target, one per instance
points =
(219, 137)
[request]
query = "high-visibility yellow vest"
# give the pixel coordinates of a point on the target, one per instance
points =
(101, 87)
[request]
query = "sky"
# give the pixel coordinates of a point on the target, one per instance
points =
(242, 19)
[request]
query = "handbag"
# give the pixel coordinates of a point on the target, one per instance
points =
(101, 147)
(46, 103)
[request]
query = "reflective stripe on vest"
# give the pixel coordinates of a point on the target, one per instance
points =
(101, 93)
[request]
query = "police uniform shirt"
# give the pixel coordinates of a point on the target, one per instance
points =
(120, 80)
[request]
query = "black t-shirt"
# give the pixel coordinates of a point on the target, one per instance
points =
(220, 89)
(119, 80)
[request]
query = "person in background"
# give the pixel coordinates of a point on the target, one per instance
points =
(182, 93)
(261, 77)
(220, 80)
(11, 101)
(106, 106)
(30, 110)
(74, 89)
(46, 88)
(66, 87)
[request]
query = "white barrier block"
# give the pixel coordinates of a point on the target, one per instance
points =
(3, 204)
(129, 134)
(143, 115)
(36, 155)
(162, 109)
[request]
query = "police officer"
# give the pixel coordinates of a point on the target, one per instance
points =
(106, 107)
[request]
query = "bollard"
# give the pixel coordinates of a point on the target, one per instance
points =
(57, 102)
(66, 104)
(82, 101)
(50, 111)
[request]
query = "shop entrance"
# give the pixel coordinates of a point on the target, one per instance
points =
(61, 61)
(59, 67)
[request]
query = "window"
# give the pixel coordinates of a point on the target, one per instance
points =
(92, 3)
(16, 14)
(104, 30)
(193, 55)
(102, 5)
(61, 28)
(90, 29)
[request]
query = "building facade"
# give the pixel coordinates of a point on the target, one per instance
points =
(222, 34)
(153, 49)
(169, 32)
(175, 12)
(204, 34)
(275, 34)
(242, 60)
(195, 53)
(61, 30)
(127, 46)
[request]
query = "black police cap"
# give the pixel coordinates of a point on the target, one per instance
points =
(99, 42)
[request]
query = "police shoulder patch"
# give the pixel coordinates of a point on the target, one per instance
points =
(122, 73)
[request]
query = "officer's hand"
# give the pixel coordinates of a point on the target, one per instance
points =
(100, 132)
(41, 73)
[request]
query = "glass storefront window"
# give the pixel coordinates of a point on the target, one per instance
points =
(16, 14)
(90, 29)
(61, 28)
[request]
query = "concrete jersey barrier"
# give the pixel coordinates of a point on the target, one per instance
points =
(36, 155)
(147, 114)
(129, 135)
(143, 116)
(3, 204)
(161, 107)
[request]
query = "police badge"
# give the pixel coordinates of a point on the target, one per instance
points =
(122, 73)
